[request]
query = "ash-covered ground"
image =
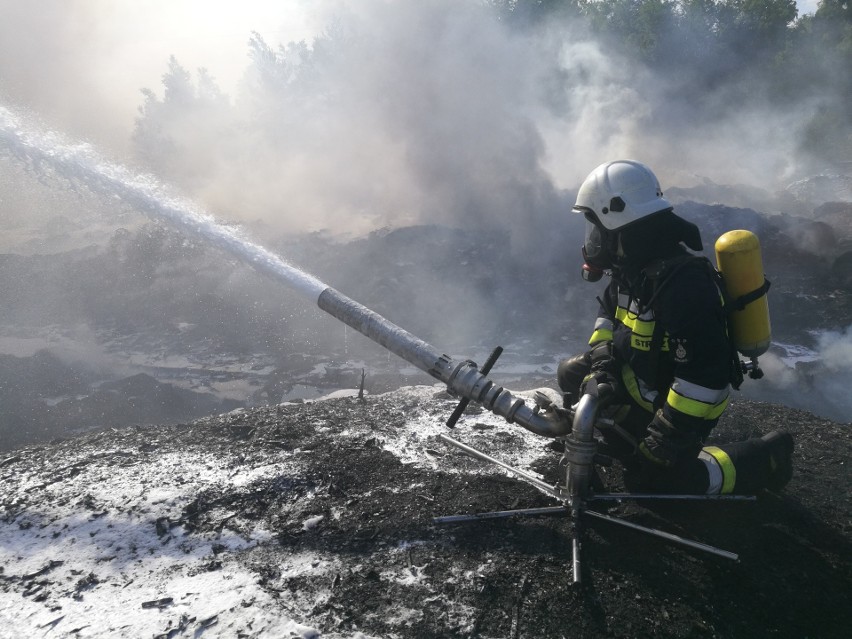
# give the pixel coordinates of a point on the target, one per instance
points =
(315, 520)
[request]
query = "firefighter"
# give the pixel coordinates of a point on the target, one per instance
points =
(659, 355)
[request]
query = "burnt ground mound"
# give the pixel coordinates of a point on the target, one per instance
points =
(358, 483)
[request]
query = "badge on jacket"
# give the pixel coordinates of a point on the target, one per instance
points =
(681, 354)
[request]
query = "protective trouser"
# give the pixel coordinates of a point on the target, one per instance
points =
(745, 467)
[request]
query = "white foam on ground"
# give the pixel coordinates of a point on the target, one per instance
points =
(418, 443)
(94, 533)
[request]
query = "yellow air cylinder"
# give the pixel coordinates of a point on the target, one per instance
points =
(738, 259)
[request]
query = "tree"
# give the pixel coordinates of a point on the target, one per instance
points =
(188, 112)
(525, 13)
(637, 26)
(820, 70)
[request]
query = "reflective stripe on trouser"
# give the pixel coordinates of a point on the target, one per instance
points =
(720, 470)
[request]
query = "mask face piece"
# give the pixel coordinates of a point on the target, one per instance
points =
(593, 246)
(596, 253)
(589, 272)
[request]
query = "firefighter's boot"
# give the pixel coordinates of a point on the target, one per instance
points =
(780, 445)
(758, 464)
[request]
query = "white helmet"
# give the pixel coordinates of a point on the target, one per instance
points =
(619, 193)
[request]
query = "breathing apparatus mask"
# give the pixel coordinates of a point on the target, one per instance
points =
(600, 248)
(633, 246)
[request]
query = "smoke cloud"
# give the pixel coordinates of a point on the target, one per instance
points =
(834, 377)
(387, 114)
(347, 117)
(816, 380)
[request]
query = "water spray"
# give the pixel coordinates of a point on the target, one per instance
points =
(80, 164)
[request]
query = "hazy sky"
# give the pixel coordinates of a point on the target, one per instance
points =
(82, 63)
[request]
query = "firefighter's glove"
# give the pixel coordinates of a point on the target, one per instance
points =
(604, 372)
(665, 445)
(601, 384)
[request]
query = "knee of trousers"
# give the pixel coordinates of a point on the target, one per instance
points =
(572, 371)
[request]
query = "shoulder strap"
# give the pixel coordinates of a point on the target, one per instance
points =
(729, 306)
(661, 273)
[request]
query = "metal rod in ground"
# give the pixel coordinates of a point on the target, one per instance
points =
(668, 536)
(501, 514)
(577, 574)
(535, 481)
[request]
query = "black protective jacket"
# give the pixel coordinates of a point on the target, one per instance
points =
(668, 330)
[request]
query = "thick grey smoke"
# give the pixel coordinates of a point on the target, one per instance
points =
(402, 113)
(437, 112)
(395, 113)
(816, 380)
(58, 60)
(391, 114)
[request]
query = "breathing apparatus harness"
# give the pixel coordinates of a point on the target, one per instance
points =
(661, 273)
